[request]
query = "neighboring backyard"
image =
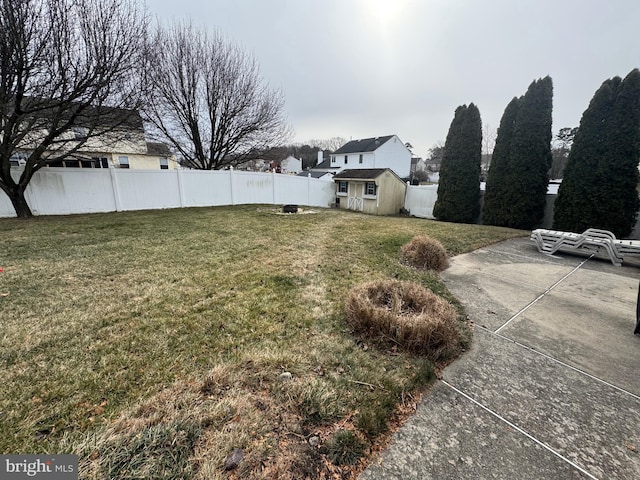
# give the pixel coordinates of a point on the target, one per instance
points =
(154, 344)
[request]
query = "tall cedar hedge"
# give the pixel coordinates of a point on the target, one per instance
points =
(493, 212)
(459, 185)
(517, 186)
(599, 188)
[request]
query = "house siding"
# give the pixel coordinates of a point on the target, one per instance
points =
(144, 162)
(394, 155)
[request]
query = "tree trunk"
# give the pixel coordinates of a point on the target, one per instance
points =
(20, 204)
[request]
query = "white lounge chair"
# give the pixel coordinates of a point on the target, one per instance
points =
(592, 241)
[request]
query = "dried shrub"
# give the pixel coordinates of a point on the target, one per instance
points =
(425, 253)
(407, 314)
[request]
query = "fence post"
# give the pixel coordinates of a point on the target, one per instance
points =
(308, 189)
(115, 189)
(273, 187)
(180, 188)
(233, 202)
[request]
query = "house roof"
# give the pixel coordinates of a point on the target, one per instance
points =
(313, 174)
(324, 164)
(158, 148)
(90, 115)
(360, 173)
(364, 145)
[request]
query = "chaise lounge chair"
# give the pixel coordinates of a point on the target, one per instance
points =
(591, 241)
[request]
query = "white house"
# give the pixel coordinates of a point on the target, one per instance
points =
(291, 165)
(376, 152)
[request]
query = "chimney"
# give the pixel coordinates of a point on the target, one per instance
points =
(320, 157)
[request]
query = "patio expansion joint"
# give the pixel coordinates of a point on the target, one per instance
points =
(519, 430)
(560, 362)
(543, 294)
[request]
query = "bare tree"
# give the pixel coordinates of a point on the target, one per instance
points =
(330, 144)
(489, 135)
(65, 65)
(560, 148)
(209, 100)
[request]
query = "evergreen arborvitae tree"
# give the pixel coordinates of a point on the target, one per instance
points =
(531, 156)
(574, 208)
(518, 196)
(459, 185)
(493, 212)
(599, 189)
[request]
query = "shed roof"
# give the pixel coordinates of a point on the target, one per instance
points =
(360, 173)
(364, 145)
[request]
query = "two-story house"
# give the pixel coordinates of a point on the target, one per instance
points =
(376, 152)
(122, 147)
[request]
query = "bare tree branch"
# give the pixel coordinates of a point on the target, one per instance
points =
(209, 100)
(65, 64)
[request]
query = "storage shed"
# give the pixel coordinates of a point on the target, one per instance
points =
(376, 191)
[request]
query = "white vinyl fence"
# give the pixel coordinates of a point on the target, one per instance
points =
(419, 200)
(54, 191)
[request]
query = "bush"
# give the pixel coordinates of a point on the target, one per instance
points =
(407, 314)
(426, 253)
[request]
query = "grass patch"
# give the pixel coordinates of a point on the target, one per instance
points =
(162, 335)
(345, 448)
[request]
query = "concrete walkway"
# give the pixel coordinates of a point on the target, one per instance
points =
(550, 388)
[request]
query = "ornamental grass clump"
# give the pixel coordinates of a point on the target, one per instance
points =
(425, 253)
(406, 314)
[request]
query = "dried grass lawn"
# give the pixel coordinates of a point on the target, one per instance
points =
(152, 343)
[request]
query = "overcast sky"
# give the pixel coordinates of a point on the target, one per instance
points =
(366, 68)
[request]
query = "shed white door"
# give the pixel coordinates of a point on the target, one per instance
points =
(355, 200)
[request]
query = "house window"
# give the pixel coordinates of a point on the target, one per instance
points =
(343, 187)
(360, 159)
(164, 164)
(333, 159)
(72, 163)
(100, 162)
(346, 159)
(370, 189)
(124, 162)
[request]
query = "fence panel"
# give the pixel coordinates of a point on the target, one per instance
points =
(253, 187)
(147, 189)
(54, 191)
(205, 188)
(419, 200)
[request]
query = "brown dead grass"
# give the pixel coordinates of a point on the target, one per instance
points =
(407, 314)
(425, 253)
(224, 411)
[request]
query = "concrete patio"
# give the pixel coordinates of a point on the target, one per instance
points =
(551, 386)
